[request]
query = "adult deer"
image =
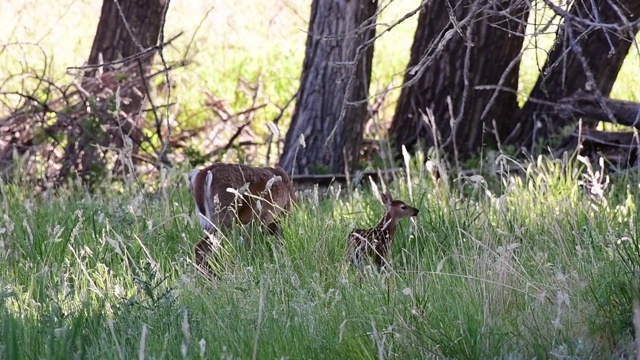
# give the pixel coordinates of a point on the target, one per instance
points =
(225, 194)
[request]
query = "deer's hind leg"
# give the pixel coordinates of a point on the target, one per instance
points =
(274, 229)
(204, 251)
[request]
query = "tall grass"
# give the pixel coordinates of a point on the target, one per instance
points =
(531, 266)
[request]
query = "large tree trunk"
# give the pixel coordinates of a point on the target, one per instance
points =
(449, 61)
(120, 35)
(126, 28)
(590, 48)
(336, 72)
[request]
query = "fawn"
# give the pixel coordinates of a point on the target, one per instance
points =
(225, 193)
(376, 242)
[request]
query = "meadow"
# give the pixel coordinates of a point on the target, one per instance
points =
(531, 266)
(539, 263)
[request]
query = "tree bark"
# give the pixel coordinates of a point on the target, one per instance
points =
(337, 67)
(454, 70)
(590, 48)
(126, 28)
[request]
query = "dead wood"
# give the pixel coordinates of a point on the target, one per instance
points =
(49, 136)
(601, 108)
(325, 180)
(618, 149)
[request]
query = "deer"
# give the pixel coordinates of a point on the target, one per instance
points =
(227, 194)
(376, 242)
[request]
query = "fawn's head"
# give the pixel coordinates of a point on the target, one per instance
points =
(397, 209)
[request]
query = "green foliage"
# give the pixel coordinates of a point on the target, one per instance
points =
(319, 169)
(195, 156)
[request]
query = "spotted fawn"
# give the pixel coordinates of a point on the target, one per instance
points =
(376, 242)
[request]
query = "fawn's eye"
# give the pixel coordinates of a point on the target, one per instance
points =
(404, 207)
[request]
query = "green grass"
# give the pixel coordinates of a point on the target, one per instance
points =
(525, 267)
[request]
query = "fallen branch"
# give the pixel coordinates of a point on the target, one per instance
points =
(619, 149)
(328, 179)
(71, 118)
(585, 105)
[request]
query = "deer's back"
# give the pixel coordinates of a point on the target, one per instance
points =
(211, 183)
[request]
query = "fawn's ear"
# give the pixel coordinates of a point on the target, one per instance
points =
(386, 198)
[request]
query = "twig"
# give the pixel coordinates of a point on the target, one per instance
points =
(124, 60)
(163, 151)
(595, 24)
(275, 122)
(126, 25)
(230, 142)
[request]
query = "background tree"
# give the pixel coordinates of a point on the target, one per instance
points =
(126, 32)
(465, 72)
(336, 71)
(459, 45)
(589, 50)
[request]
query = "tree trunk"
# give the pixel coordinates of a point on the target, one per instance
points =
(590, 48)
(449, 62)
(126, 28)
(336, 72)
